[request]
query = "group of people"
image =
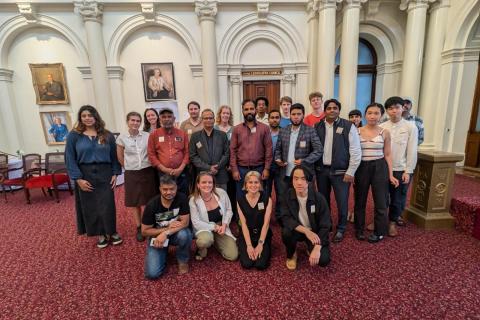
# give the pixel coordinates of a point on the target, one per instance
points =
(198, 180)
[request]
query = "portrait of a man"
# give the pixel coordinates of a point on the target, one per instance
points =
(158, 81)
(49, 83)
(56, 126)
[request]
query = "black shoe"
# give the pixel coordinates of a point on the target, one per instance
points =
(360, 236)
(338, 237)
(102, 242)
(400, 222)
(373, 238)
(139, 235)
(116, 239)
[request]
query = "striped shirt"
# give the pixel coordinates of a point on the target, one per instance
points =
(372, 149)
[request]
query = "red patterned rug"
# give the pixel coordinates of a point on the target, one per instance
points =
(48, 272)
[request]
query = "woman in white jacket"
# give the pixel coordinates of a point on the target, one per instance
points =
(211, 213)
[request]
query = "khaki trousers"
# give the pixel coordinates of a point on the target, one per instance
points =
(226, 245)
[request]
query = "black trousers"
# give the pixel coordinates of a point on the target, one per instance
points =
(261, 263)
(375, 174)
(290, 239)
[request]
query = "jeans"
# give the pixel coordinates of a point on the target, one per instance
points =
(243, 171)
(325, 181)
(398, 197)
(156, 258)
(281, 187)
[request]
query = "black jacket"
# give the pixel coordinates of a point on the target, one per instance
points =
(320, 220)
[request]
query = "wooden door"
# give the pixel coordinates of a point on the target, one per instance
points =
(472, 147)
(267, 88)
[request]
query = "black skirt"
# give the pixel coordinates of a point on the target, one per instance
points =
(96, 209)
(140, 186)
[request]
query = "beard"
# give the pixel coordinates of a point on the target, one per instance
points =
(249, 117)
(297, 123)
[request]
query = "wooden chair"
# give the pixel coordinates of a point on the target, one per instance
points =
(55, 174)
(5, 181)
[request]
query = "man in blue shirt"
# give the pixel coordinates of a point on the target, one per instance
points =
(58, 130)
(285, 104)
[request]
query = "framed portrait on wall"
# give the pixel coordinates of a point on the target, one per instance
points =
(56, 126)
(49, 83)
(158, 81)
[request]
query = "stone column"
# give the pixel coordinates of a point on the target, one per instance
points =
(91, 12)
(236, 103)
(11, 133)
(413, 54)
(349, 54)
(427, 106)
(429, 205)
(326, 46)
(206, 12)
(115, 74)
(288, 80)
(312, 14)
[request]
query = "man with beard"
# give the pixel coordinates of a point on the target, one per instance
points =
(168, 150)
(298, 144)
(341, 158)
(250, 146)
(274, 123)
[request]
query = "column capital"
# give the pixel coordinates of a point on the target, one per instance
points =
(148, 11)
(414, 4)
(86, 72)
(236, 80)
(288, 78)
(28, 11)
(312, 9)
(115, 72)
(439, 4)
(350, 4)
(90, 10)
(206, 10)
(6, 75)
(262, 11)
(327, 4)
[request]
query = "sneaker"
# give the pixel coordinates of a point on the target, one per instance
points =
(116, 239)
(139, 235)
(373, 238)
(292, 262)
(200, 254)
(102, 242)
(338, 237)
(392, 230)
(182, 267)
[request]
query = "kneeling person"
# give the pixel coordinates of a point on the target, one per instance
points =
(165, 222)
(305, 217)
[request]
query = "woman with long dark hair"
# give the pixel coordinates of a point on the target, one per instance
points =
(91, 159)
(151, 120)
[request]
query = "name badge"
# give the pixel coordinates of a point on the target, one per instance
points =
(253, 130)
(261, 206)
(175, 211)
(178, 139)
(312, 208)
(303, 144)
(189, 131)
(199, 144)
(161, 139)
(339, 130)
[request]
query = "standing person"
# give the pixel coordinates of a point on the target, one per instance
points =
(210, 150)
(355, 117)
(306, 218)
(255, 209)
(341, 158)
(165, 222)
(168, 150)
(224, 120)
(297, 144)
(375, 170)
(317, 115)
(139, 173)
(250, 147)
(285, 104)
(151, 120)
(194, 122)
(91, 159)
(261, 105)
(404, 159)
(211, 213)
(407, 107)
(274, 177)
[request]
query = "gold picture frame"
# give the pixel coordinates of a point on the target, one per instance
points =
(49, 83)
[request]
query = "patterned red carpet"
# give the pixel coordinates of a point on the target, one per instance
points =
(48, 272)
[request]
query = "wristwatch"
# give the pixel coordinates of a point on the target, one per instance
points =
(261, 241)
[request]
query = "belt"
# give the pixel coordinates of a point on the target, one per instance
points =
(251, 167)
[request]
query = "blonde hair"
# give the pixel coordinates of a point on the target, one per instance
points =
(252, 174)
(219, 112)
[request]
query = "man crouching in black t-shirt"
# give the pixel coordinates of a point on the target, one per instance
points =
(165, 222)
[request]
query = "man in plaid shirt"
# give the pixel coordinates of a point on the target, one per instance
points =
(407, 107)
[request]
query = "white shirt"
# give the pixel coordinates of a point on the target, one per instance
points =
(404, 144)
(302, 213)
(263, 120)
(355, 149)
(291, 151)
(135, 152)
